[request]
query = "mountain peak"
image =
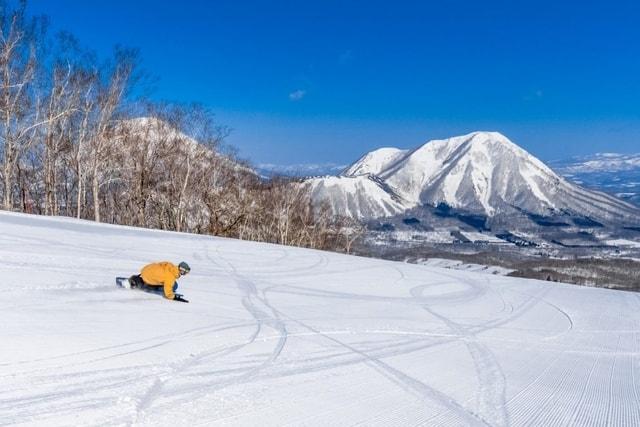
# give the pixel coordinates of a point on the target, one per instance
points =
(484, 137)
(492, 135)
(374, 162)
(475, 139)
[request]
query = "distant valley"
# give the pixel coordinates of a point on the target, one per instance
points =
(617, 174)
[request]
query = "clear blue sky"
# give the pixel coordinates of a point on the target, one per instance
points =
(329, 80)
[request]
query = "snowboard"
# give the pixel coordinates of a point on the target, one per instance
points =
(123, 282)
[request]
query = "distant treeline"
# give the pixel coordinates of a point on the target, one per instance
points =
(78, 139)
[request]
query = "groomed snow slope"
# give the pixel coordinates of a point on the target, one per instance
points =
(282, 336)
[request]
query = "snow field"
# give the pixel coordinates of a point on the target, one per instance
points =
(284, 336)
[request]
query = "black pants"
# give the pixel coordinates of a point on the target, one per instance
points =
(137, 282)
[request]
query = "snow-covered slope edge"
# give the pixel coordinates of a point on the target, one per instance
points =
(276, 335)
(357, 197)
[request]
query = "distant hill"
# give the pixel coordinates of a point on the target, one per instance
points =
(299, 170)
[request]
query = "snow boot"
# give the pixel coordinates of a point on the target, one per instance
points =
(136, 281)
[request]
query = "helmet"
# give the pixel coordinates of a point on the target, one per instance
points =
(184, 267)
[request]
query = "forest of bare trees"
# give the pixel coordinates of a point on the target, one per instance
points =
(77, 141)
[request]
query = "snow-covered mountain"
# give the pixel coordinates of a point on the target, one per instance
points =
(276, 335)
(482, 172)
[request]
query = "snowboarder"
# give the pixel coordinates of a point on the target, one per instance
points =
(161, 274)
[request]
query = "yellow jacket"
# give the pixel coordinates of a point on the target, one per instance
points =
(161, 274)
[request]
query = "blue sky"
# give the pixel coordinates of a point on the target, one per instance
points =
(326, 81)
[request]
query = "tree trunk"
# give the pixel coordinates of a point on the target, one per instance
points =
(8, 169)
(80, 193)
(48, 182)
(183, 190)
(96, 196)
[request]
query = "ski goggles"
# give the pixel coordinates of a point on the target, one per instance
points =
(183, 271)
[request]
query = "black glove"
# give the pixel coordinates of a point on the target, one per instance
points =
(178, 297)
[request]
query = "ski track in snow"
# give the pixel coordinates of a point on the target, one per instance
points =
(283, 336)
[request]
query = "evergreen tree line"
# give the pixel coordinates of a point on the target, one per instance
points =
(76, 140)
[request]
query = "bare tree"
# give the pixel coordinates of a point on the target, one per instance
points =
(17, 71)
(350, 230)
(87, 87)
(102, 141)
(146, 143)
(62, 103)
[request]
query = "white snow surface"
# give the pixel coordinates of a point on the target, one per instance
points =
(355, 197)
(284, 336)
(375, 162)
(475, 236)
(623, 243)
(460, 265)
